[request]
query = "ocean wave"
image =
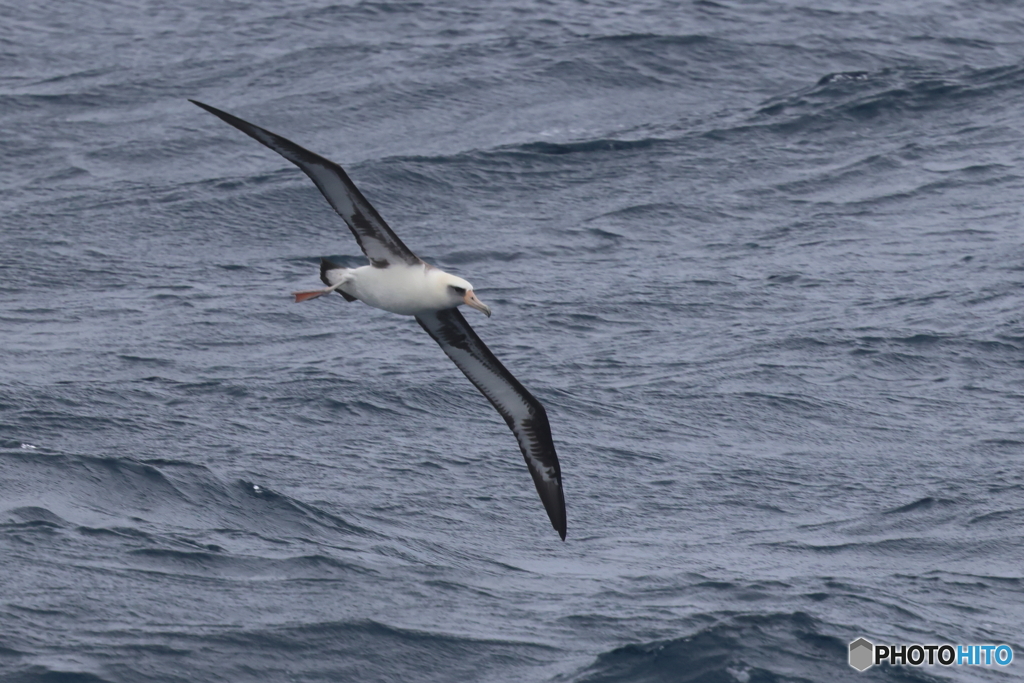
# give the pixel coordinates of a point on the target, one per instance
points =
(56, 673)
(861, 95)
(746, 648)
(156, 501)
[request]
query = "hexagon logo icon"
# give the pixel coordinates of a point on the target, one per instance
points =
(862, 654)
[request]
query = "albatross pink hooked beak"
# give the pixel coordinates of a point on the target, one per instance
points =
(471, 300)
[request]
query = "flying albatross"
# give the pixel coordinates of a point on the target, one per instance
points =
(399, 281)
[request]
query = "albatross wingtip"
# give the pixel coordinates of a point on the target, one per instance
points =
(559, 521)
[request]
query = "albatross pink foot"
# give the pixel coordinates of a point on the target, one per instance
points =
(302, 296)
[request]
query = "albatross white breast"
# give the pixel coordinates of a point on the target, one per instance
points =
(400, 282)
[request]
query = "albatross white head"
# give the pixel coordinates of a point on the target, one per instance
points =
(460, 292)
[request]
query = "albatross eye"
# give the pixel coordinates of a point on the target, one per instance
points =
(461, 291)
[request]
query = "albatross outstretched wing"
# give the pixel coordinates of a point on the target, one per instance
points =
(524, 414)
(375, 238)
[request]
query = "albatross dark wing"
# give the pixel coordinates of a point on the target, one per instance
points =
(524, 414)
(375, 238)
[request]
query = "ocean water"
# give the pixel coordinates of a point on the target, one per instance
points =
(762, 262)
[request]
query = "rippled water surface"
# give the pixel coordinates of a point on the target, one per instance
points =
(762, 262)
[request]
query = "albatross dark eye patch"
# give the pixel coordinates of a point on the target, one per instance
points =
(461, 291)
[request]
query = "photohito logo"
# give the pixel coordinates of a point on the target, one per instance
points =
(864, 653)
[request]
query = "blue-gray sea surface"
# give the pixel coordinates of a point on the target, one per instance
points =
(762, 261)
